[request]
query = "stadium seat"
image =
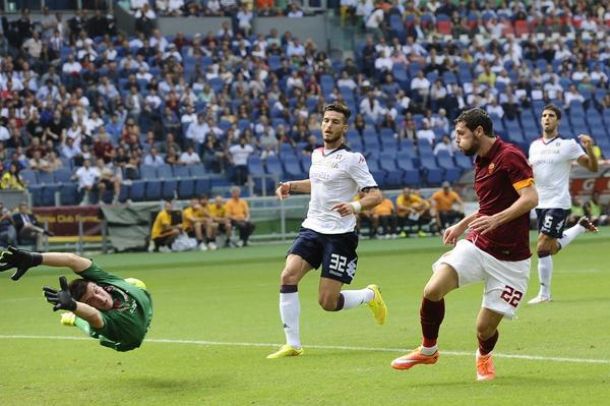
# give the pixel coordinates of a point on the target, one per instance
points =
(164, 172)
(148, 172)
(62, 175)
(169, 188)
(153, 189)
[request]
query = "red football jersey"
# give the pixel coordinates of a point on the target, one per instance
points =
(498, 177)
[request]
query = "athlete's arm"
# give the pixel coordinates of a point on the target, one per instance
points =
(451, 234)
(62, 300)
(588, 161)
(371, 197)
(23, 260)
(528, 200)
(294, 186)
(90, 314)
(67, 259)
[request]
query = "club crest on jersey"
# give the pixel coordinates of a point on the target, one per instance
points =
(490, 168)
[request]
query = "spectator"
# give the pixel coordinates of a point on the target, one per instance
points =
(8, 234)
(164, 232)
(239, 154)
(54, 162)
(28, 227)
(109, 180)
(145, 19)
(447, 206)
(197, 131)
(238, 212)
(383, 214)
(189, 157)
(426, 133)
(214, 155)
(38, 163)
(11, 179)
(218, 214)
(153, 158)
(444, 145)
(196, 222)
(87, 177)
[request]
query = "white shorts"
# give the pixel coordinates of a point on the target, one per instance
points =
(505, 281)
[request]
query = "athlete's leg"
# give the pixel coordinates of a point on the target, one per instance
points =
(487, 335)
(546, 247)
(290, 308)
(432, 310)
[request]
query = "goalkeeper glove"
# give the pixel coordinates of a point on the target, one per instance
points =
(20, 259)
(61, 299)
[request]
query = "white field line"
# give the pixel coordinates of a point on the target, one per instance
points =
(320, 347)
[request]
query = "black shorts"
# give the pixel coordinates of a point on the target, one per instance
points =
(552, 221)
(335, 252)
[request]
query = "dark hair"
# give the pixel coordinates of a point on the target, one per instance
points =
(554, 109)
(78, 287)
(339, 108)
(477, 117)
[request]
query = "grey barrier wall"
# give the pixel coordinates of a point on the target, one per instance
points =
(190, 26)
(313, 27)
(12, 198)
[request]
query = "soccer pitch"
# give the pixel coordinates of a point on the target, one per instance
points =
(216, 318)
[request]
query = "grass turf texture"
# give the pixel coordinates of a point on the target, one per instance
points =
(230, 296)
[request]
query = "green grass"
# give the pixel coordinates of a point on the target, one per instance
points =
(230, 297)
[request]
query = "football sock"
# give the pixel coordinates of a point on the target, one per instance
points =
(545, 273)
(290, 309)
(82, 325)
(428, 350)
(570, 234)
(431, 316)
(487, 346)
(353, 298)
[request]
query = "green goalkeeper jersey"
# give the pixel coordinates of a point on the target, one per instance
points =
(126, 324)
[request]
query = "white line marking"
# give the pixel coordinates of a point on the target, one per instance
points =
(320, 347)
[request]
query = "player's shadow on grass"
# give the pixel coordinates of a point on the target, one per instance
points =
(162, 384)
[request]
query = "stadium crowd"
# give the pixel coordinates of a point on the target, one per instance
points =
(81, 101)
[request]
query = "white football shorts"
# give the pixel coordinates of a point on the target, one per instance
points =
(505, 281)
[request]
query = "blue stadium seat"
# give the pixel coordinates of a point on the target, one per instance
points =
(29, 176)
(197, 170)
(273, 166)
(292, 168)
(186, 188)
(202, 186)
(394, 174)
(148, 172)
(181, 171)
(255, 166)
(463, 162)
(62, 175)
(169, 188)
(305, 162)
(69, 195)
(164, 172)
(153, 189)
(137, 190)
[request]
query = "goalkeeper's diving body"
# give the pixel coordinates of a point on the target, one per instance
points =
(116, 311)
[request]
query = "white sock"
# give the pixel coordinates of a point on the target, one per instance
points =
(290, 310)
(545, 273)
(570, 234)
(353, 298)
(428, 350)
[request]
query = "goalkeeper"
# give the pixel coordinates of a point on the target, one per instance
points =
(118, 312)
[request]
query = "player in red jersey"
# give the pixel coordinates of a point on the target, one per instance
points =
(495, 250)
